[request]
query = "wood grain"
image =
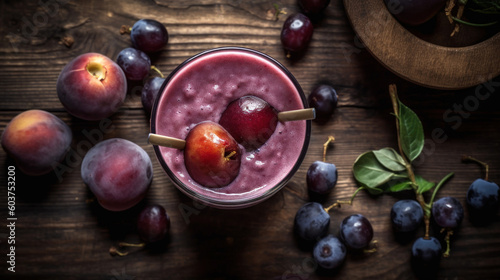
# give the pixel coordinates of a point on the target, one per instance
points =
(417, 60)
(62, 232)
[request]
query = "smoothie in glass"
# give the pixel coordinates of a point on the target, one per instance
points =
(199, 90)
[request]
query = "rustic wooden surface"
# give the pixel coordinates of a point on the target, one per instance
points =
(62, 233)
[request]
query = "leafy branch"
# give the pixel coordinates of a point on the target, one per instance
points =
(387, 171)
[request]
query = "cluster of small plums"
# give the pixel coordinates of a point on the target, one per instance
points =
(92, 87)
(447, 212)
(312, 220)
(118, 171)
(147, 36)
(312, 223)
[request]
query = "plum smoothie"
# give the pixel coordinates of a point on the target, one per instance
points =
(201, 89)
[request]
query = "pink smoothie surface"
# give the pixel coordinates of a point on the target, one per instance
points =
(202, 89)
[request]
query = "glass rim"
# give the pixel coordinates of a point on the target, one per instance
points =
(235, 203)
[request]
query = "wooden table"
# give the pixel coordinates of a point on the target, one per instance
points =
(62, 233)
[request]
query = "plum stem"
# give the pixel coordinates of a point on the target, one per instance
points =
(125, 29)
(484, 164)
(325, 146)
(228, 157)
(340, 202)
(278, 11)
(352, 197)
(154, 68)
(125, 244)
(336, 204)
(460, 12)
(114, 252)
(449, 233)
(373, 248)
(448, 9)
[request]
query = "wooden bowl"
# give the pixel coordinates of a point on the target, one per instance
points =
(419, 61)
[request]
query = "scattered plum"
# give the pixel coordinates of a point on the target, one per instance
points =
(211, 155)
(426, 255)
(413, 12)
(250, 120)
(134, 63)
(150, 92)
(296, 33)
(313, 7)
(36, 140)
(153, 223)
(356, 231)
(311, 221)
(447, 212)
(406, 215)
(149, 35)
(321, 177)
(323, 99)
(92, 86)
(329, 252)
(482, 196)
(118, 172)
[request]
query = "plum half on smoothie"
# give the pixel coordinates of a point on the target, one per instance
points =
(204, 89)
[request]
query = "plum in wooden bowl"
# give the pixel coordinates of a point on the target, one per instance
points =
(423, 51)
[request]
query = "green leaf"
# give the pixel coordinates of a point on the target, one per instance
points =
(398, 187)
(390, 159)
(423, 185)
(411, 132)
(369, 172)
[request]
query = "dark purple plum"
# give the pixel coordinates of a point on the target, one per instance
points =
(482, 197)
(329, 252)
(313, 7)
(296, 33)
(149, 35)
(153, 223)
(447, 212)
(406, 215)
(321, 177)
(356, 231)
(311, 221)
(150, 92)
(134, 63)
(426, 255)
(118, 172)
(323, 99)
(414, 12)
